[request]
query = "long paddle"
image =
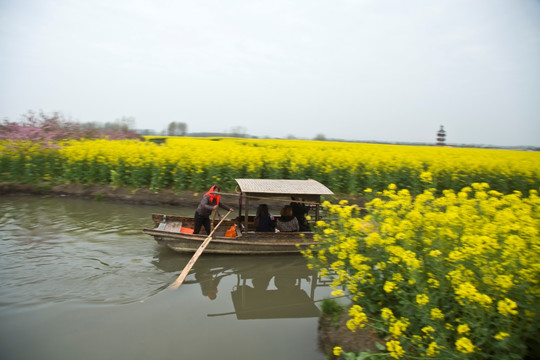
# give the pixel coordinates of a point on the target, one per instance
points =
(213, 220)
(180, 279)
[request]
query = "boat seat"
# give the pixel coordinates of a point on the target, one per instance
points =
(161, 226)
(172, 226)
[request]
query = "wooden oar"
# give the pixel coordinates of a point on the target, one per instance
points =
(213, 220)
(180, 279)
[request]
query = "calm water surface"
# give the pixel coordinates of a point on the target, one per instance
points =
(79, 280)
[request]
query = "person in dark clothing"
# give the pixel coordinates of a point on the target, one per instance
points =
(209, 203)
(299, 211)
(263, 220)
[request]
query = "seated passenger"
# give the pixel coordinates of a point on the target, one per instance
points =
(264, 221)
(287, 221)
(300, 210)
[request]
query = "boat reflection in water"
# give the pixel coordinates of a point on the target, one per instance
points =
(266, 287)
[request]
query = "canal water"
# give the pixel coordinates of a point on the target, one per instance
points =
(79, 280)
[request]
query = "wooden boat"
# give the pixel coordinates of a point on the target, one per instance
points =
(237, 236)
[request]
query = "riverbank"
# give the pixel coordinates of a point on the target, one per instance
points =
(334, 333)
(105, 192)
(141, 196)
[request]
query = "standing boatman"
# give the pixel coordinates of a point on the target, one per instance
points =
(209, 203)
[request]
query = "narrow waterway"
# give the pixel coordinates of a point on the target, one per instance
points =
(79, 280)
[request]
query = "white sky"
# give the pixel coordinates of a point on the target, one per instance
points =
(384, 70)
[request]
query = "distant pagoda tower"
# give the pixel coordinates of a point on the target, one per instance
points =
(441, 135)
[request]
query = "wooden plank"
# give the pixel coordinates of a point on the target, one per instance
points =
(173, 226)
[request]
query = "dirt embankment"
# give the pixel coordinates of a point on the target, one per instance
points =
(336, 333)
(137, 196)
(105, 192)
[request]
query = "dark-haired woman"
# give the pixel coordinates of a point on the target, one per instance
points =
(264, 221)
(287, 221)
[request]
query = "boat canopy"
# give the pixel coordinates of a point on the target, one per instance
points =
(309, 191)
(275, 187)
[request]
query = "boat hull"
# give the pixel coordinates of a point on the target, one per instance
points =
(247, 244)
(171, 231)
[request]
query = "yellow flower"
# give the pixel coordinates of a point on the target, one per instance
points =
(387, 314)
(436, 314)
(324, 272)
(417, 339)
(507, 307)
(433, 283)
(422, 299)
(501, 335)
(358, 318)
(467, 291)
(504, 282)
(337, 350)
(428, 329)
(435, 253)
(389, 286)
(432, 349)
(426, 177)
(463, 329)
(398, 327)
(395, 349)
(465, 345)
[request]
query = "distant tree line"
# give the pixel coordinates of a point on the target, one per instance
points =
(177, 129)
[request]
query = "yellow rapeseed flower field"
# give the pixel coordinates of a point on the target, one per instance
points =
(197, 163)
(438, 276)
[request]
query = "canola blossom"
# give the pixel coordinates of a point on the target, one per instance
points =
(197, 163)
(448, 276)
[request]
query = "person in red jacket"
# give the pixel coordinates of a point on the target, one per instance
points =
(209, 203)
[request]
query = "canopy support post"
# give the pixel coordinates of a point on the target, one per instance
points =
(317, 208)
(246, 220)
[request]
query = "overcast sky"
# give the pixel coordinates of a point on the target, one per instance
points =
(355, 70)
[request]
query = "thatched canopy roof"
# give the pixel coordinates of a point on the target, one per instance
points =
(301, 188)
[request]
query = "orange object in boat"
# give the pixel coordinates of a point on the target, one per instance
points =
(186, 230)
